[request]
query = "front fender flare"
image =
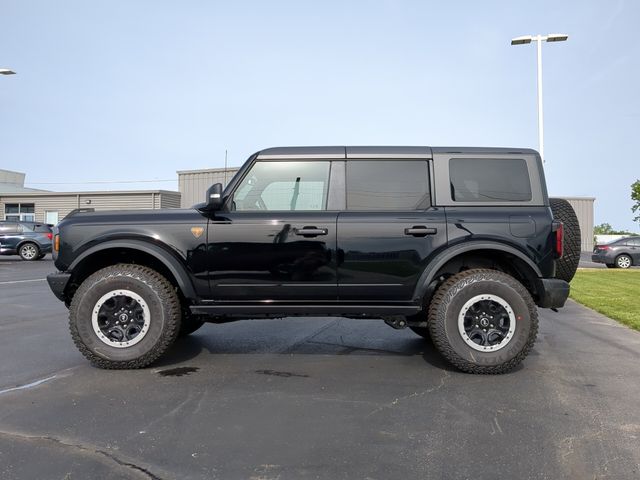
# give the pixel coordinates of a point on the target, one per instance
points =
(443, 257)
(169, 260)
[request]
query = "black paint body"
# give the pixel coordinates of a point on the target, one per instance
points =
(263, 261)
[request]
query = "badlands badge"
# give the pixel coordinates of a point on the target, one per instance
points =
(197, 231)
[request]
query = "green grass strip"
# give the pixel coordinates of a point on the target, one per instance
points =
(612, 292)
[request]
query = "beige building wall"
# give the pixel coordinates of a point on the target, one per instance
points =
(193, 184)
(583, 207)
(65, 202)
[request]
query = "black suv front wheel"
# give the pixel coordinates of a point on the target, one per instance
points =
(483, 321)
(124, 316)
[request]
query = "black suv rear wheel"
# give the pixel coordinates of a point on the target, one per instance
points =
(124, 316)
(29, 251)
(483, 321)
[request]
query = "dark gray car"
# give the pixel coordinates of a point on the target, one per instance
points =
(622, 253)
(30, 240)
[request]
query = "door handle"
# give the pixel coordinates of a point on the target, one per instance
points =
(311, 231)
(420, 231)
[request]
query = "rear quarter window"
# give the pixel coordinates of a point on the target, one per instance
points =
(42, 228)
(489, 180)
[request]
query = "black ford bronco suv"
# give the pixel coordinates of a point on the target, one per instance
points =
(459, 244)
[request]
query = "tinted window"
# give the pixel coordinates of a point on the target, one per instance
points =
(8, 227)
(283, 186)
(489, 180)
(36, 227)
(634, 242)
(42, 227)
(387, 184)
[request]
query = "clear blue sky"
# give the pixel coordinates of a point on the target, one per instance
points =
(135, 90)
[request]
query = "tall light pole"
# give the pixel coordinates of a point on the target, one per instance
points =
(552, 37)
(6, 71)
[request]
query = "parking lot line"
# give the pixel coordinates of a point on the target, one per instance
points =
(24, 281)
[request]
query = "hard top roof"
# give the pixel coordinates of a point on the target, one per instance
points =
(347, 152)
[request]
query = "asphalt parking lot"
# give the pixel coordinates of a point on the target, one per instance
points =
(322, 398)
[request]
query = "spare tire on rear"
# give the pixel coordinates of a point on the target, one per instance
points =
(567, 265)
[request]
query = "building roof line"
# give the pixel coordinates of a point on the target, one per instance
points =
(95, 193)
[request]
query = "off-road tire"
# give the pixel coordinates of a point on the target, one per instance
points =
(447, 304)
(567, 265)
(163, 304)
(190, 324)
(29, 251)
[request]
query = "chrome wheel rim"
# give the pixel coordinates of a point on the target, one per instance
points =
(121, 318)
(28, 251)
(624, 262)
(487, 323)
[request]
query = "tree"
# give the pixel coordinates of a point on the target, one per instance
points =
(603, 229)
(635, 196)
(607, 229)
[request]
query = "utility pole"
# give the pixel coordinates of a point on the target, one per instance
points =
(526, 39)
(225, 167)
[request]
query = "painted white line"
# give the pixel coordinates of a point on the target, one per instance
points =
(28, 385)
(24, 281)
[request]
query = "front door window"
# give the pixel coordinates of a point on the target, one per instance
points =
(284, 186)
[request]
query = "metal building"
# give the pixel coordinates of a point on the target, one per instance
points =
(193, 184)
(18, 202)
(51, 207)
(583, 207)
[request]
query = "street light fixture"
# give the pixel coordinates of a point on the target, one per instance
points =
(526, 39)
(6, 71)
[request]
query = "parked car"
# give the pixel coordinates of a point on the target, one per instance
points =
(461, 245)
(30, 240)
(622, 253)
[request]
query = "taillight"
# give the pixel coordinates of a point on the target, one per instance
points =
(602, 247)
(559, 239)
(56, 243)
(50, 236)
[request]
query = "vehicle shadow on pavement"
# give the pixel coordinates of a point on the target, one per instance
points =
(338, 343)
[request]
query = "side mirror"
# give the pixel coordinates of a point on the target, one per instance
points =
(213, 201)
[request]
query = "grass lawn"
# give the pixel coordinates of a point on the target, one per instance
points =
(614, 293)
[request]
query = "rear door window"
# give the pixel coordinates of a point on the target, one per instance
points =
(489, 180)
(8, 228)
(399, 185)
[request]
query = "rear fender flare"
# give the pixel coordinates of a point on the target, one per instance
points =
(443, 257)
